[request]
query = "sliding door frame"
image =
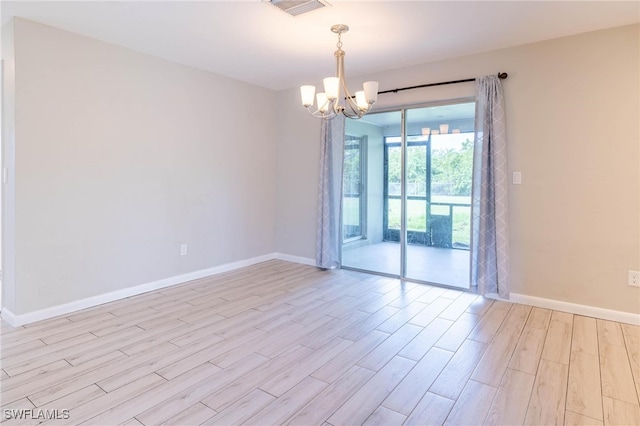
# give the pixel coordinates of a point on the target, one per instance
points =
(403, 195)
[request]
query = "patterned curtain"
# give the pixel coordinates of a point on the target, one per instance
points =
(489, 229)
(330, 194)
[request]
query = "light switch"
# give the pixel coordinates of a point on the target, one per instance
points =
(517, 178)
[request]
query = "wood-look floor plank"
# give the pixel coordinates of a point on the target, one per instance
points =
(22, 362)
(609, 333)
(496, 357)
(585, 335)
(455, 375)
(77, 398)
(404, 398)
(480, 306)
(331, 398)
(458, 332)
(423, 342)
(472, 404)
(377, 358)
(490, 322)
(560, 316)
(207, 354)
(620, 412)
(82, 380)
(615, 370)
(287, 379)
(36, 372)
(401, 317)
(18, 347)
(196, 414)
(242, 410)
(431, 312)
(539, 318)
(431, 410)
(458, 307)
(528, 351)
(584, 392)
(341, 363)
(170, 408)
(151, 397)
(364, 402)
(557, 346)
(575, 419)
(632, 342)
(114, 399)
(384, 416)
(131, 422)
(332, 330)
(374, 321)
(432, 295)
(509, 406)
(27, 387)
(225, 397)
(279, 410)
(547, 404)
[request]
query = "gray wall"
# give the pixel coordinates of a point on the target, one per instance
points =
(573, 131)
(120, 158)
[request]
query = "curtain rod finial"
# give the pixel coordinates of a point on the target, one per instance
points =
(502, 75)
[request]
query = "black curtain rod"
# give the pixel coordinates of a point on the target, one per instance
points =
(501, 75)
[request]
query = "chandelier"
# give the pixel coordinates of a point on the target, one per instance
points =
(336, 97)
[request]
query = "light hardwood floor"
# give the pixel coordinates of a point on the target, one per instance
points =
(282, 343)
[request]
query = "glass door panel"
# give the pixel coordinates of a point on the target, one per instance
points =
(352, 189)
(439, 155)
(371, 248)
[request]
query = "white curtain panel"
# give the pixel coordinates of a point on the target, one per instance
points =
(489, 229)
(330, 194)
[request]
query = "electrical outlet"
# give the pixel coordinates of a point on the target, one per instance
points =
(517, 178)
(634, 278)
(183, 250)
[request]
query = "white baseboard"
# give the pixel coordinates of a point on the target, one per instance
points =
(572, 308)
(296, 259)
(67, 308)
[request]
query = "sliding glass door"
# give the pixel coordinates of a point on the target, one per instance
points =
(418, 185)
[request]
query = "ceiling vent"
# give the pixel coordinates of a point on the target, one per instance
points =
(297, 7)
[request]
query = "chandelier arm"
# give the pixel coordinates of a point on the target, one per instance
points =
(319, 114)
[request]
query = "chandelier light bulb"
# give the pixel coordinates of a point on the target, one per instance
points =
(323, 103)
(332, 87)
(308, 94)
(361, 100)
(371, 91)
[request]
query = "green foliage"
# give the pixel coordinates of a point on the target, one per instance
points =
(451, 170)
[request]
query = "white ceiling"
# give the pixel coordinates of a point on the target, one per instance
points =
(255, 42)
